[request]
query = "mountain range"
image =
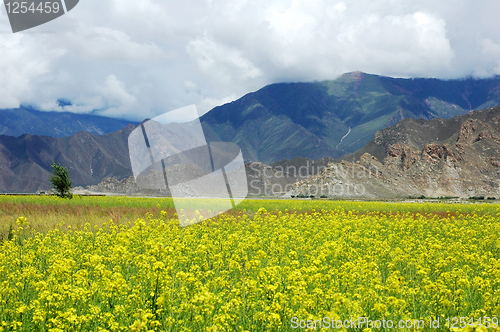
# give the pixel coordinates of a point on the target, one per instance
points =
(458, 157)
(25, 160)
(280, 124)
(334, 118)
(26, 120)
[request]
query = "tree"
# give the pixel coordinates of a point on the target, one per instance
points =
(61, 183)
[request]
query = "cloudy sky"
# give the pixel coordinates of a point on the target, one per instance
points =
(134, 59)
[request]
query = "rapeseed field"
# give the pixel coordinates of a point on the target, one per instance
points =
(268, 266)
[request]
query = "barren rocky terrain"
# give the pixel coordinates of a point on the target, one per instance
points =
(456, 157)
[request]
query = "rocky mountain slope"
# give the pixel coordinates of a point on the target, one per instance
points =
(25, 161)
(453, 157)
(458, 157)
(281, 125)
(98, 163)
(332, 118)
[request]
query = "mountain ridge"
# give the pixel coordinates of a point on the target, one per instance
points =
(25, 160)
(287, 120)
(452, 157)
(280, 124)
(26, 120)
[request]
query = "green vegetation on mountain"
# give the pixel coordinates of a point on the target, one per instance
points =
(333, 118)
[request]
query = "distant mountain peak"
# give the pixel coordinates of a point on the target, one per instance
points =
(354, 75)
(287, 120)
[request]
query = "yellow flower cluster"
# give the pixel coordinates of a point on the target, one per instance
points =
(241, 273)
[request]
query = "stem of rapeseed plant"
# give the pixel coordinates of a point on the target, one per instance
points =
(154, 305)
(244, 293)
(10, 235)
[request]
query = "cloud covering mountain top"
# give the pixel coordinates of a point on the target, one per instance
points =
(137, 59)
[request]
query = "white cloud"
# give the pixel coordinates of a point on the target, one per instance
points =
(336, 10)
(140, 58)
(220, 61)
(207, 104)
(190, 85)
(22, 60)
(397, 45)
(102, 43)
(293, 22)
(115, 92)
(490, 50)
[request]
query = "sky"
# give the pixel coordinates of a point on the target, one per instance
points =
(139, 59)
